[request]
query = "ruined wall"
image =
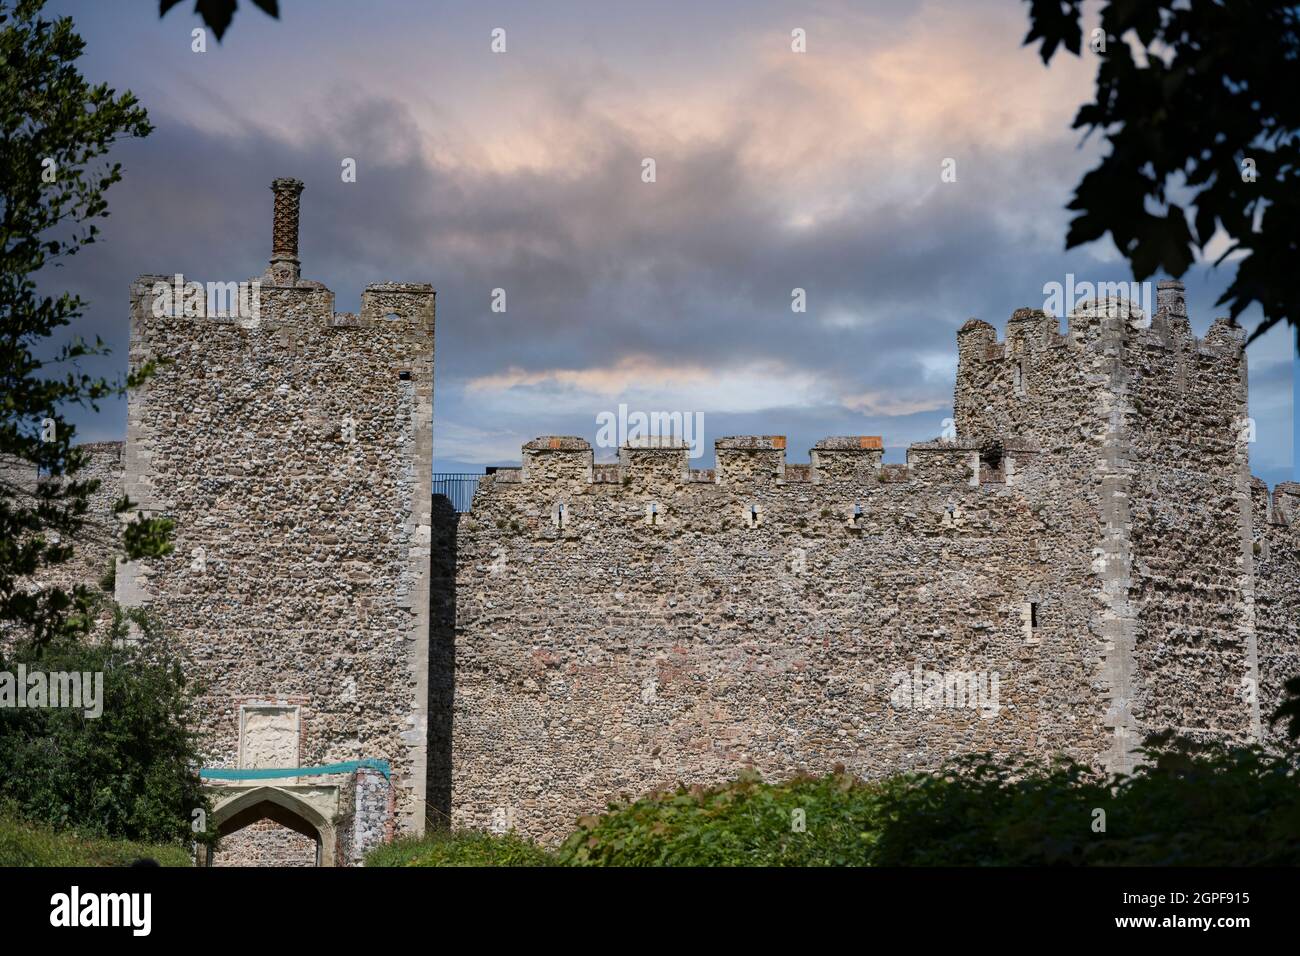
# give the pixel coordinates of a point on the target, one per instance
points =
(96, 545)
(604, 646)
(294, 450)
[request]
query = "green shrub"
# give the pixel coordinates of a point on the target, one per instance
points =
(827, 821)
(130, 773)
(461, 848)
(1187, 805)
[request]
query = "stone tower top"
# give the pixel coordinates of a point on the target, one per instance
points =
(284, 267)
(1171, 300)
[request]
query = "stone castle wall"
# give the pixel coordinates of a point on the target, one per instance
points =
(1088, 555)
(294, 451)
(1087, 536)
(93, 559)
(616, 649)
(1276, 552)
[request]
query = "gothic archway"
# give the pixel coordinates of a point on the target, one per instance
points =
(283, 808)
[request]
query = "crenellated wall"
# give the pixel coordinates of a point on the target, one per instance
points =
(622, 629)
(1088, 556)
(1146, 426)
(1087, 537)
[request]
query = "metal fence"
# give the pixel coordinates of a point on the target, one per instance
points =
(458, 488)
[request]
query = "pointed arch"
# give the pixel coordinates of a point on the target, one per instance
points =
(286, 809)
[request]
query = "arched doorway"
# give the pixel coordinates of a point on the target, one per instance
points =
(270, 826)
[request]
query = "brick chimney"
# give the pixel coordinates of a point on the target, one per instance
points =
(284, 267)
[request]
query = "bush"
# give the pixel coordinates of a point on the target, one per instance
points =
(131, 772)
(745, 823)
(461, 848)
(1188, 805)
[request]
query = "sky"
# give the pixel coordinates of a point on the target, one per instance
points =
(523, 170)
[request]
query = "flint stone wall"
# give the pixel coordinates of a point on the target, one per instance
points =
(294, 450)
(266, 843)
(1088, 536)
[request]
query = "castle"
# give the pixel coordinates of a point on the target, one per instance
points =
(1087, 560)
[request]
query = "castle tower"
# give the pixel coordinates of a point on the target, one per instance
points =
(1144, 428)
(292, 445)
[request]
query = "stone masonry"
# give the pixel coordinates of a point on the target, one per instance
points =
(1091, 538)
(1085, 561)
(293, 449)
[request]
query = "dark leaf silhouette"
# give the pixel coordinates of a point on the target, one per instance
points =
(1205, 114)
(217, 14)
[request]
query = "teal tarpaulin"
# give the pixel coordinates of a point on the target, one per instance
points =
(271, 773)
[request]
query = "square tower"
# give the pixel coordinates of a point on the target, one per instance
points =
(292, 446)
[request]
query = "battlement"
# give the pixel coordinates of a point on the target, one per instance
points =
(749, 462)
(1096, 321)
(1282, 507)
(1063, 389)
(254, 305)
(280, 297)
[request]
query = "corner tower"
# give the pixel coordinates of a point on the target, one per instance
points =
(1144, 429)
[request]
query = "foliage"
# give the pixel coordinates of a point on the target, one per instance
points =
(132, 771)
(54, 127)
(217, 14)
(1188, 804)
(1289, 710)
(461, 848)
(1202, 805)
(31, 844)
(745, 823)
(1205, 87)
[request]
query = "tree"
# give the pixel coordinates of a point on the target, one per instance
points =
(1197, 101)
(54, 127)
(217, 14)
(130, 770)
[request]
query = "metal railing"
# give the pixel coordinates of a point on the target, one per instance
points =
(456, 487)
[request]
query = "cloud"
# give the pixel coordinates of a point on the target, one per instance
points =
(522, 172)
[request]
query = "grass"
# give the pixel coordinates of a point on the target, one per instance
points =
(31, 844)
(461, 848)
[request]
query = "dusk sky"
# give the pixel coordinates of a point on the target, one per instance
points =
(522, 171)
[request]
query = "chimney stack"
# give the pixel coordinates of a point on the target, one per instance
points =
(1170, 301)
(284, 267)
